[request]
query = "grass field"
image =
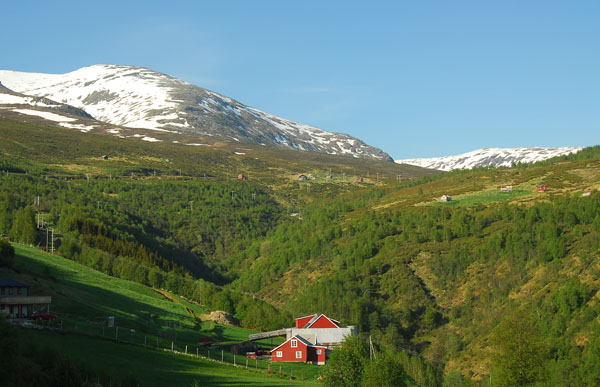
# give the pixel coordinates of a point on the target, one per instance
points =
(149, 325)
(486, 197)
(151, 367)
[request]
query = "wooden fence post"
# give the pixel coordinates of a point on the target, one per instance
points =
(221, 356)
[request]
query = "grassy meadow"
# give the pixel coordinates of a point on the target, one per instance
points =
(148, 324)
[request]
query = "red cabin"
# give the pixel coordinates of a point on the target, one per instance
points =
(542, 188)
(300, 350)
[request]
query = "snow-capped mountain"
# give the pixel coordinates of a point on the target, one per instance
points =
(138, 97)
(490, 157)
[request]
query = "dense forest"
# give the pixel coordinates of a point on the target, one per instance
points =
(473, 288)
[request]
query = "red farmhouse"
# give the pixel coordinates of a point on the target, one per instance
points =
(316, 321)
(542, 188)
(299, 349)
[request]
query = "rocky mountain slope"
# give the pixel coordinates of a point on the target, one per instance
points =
(138, 97)
(490, 157)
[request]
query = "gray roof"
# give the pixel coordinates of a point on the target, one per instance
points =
(12, 282)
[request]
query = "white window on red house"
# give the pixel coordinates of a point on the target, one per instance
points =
(298, 354)
(279, 354)
(294, 343)
(318, 351)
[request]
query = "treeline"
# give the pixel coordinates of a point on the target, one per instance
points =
(251, 311)
(96, 234)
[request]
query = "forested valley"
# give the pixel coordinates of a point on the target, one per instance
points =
(462, 286)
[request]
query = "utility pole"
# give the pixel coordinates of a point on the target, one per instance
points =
(191, 205)
(38, 210)
(46, 239)
(253, 196)
(52, 240)
(232, 194)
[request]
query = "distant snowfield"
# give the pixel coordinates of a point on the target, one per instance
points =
(8, 99)
(46, 115)
(490, 157)
(81, 127)
(11, 99)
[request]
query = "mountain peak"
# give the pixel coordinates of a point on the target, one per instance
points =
(139, 97)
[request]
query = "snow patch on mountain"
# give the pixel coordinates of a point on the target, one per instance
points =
(490, 157)
(45, 115)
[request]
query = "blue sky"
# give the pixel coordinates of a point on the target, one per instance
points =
(416, 79)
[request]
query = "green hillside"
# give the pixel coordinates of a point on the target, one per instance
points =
(454, 284)
(148, 325)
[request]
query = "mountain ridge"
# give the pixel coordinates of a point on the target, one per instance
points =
(139, 97)
(490, 157)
